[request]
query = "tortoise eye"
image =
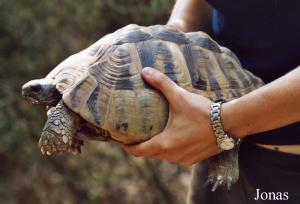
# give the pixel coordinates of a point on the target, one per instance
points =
(36, 88)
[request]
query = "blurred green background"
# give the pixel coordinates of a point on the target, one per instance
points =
(34, 37)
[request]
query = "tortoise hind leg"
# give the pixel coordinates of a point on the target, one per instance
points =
(89, 132)
(223, 169)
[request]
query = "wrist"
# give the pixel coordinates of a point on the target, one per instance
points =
(224, 140)
(233, 122)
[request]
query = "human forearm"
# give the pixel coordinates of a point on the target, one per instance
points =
(191, 15)
(275, 105)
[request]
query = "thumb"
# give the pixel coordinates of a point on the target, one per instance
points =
(161, 82)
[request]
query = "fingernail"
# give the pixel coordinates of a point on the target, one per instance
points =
(147, 71)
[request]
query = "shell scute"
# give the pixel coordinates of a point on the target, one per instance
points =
(203, 40)
(167, 33)
(130, 34)
(115, 71)
(92, 105)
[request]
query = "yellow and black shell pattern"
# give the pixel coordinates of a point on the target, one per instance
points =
(109, 93)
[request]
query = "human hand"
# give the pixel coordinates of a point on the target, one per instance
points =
(188, 137)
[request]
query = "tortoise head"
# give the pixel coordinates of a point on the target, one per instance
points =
(41, 91)
(47, 91)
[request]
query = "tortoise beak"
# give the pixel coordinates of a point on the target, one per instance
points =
(29, 90)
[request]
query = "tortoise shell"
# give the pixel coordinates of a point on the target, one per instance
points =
(106, 88)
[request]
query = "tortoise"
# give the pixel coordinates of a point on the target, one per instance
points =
(99, 94)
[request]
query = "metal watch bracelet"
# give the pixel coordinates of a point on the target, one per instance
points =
(224, 141)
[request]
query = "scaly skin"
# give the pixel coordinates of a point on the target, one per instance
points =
(58, 135)
(223, 169)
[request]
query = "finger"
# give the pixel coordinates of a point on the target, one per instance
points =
(161, 82)
(195, 158)
(145, 149)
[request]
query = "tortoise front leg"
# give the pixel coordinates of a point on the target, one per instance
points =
(59, 131)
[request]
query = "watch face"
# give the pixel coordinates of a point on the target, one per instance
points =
(227, 144)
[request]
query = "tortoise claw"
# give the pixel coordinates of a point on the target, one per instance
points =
(43, 150)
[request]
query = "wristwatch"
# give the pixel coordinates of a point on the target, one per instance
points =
(224, 141)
